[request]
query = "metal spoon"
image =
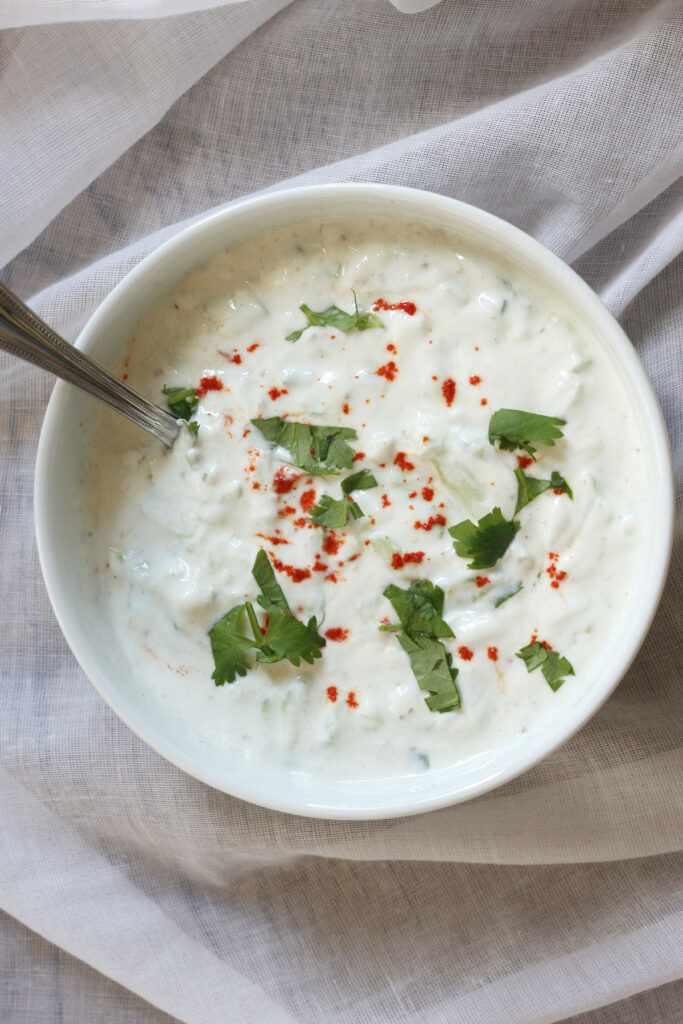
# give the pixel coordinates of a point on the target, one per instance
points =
(25, 335)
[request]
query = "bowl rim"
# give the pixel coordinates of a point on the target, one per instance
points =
(559, 731)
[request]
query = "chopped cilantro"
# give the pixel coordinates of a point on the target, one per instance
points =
(272, 598)
(433, 669)
(529, 487)
(320, 451)
(363, 480)
(282, 637)
(183, 404)
(553, 666)
(485, 542)
(334, 512)
(420, 609)
(335, 317)
(558, 483)
(513, 428)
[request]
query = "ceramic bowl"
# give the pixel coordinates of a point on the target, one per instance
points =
(62, 533)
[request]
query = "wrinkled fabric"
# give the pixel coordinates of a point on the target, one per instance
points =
(130, 891)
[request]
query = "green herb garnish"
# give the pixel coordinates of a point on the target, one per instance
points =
(513, 429)
(420, 609)
(529, 487)
(319, 451)
(335, 317)
(334, 512)
(553, 666)
(183, 404)
(485, 542)
(281, 637)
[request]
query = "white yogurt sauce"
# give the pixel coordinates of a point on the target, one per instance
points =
(175, 533)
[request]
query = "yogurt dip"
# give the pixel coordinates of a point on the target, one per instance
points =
(418, 344)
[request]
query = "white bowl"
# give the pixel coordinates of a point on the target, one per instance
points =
(60, 527)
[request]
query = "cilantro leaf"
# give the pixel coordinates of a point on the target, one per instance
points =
(485, 542)
(420, 610)
(287, 637)
(319, 451)
(331, 513)
(282, 637)
(228, 647)
(272, 597)
(513, 428)
(433, 670)
(335, 317)
(558, 483)
(182, 402)
(529, 487)
(553, 666)
(334, 512)
(363, 480)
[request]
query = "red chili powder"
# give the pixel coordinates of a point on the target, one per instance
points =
(358, 456)
(465, 653)
(389, 370)
(273, 540)
(398, 561)
(276, 392)
(332, 543)
(492, 653)
(474, 379)
(345, 408)
(252, 348)
(401, 461)
(284, 480)
(437, 520)
(427, 493)
(307, 500)
(296, 575)
(336, 634)
(385, 501)
(408, 307)
(332, 693)
(448, 391)
(351, 700)
(207, 384)
(524, 461)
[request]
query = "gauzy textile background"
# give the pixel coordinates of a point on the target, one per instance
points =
(133, 894)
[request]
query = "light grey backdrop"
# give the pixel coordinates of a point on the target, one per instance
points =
(132, 892)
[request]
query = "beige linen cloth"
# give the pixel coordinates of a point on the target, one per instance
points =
(133, 894)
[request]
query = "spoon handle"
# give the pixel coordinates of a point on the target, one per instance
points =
(24, 334)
